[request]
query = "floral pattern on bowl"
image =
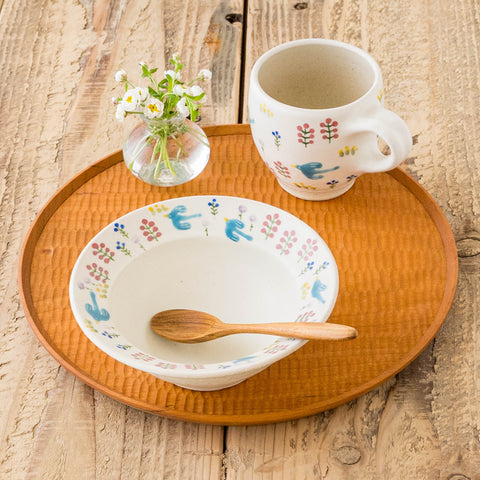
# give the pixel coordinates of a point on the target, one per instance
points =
(232, 257)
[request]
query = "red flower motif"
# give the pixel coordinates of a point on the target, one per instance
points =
(150, 230)
(329, 129)
(305, 134)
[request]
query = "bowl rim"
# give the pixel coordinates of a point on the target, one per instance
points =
(257, 360)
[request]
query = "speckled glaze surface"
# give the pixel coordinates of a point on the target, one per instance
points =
(316, 112)
(239, 259)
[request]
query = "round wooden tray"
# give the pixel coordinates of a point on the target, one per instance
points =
(397, 263)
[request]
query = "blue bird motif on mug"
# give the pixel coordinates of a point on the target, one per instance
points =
(314, 170)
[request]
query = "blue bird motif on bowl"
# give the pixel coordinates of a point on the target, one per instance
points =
(233, 230)
(179, 220)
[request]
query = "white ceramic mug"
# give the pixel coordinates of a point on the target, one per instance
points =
(316, 113)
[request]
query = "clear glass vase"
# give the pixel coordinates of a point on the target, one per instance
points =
(166, 152)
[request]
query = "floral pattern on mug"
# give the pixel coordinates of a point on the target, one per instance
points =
(347, 151)
(276, 139)
(305, 134)
(306, 187)
(281, 169)
(332, 183)
(329, 129)
(264, 109)
(314, 131)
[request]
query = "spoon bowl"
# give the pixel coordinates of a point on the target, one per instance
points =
(192, 326)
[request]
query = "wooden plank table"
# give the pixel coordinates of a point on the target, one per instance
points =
(58, 60)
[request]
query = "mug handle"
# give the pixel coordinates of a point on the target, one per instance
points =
(394, 131)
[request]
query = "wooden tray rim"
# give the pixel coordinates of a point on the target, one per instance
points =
(68, 189)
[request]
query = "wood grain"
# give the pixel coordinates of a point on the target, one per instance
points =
(420, 428)
(57, 60)
(397, 284)
(193, 326)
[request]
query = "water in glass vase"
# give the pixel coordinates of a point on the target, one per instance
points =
(166, 152)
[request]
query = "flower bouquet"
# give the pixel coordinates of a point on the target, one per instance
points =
(168, 148)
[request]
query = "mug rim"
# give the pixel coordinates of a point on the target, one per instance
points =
(318, 41)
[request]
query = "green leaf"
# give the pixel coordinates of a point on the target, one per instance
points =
(197, 98)
(145, 72)
(170, 82)
(172, 99)
(155, 94)
(192, 108)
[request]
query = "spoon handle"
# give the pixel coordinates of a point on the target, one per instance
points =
(305, 330)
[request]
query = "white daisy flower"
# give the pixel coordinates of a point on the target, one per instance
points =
(180, 90)
(131, 100)
(121, 112)
(142, 93)
(205, 74)
(153, 108)
(175, 76)
(195, 91)
(121, 76)
(182, 108)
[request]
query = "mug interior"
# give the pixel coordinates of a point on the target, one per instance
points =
(316, 76)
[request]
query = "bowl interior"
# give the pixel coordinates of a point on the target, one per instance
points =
(236, 283)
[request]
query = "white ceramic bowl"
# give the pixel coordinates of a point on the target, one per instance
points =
(240, 260)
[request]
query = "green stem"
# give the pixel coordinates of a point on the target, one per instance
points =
(201, 137)
(156, 150)
(139, 149)
(161, 149)
(155, 84)
(162, 132)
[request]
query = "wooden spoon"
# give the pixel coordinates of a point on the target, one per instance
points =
(192, 326)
